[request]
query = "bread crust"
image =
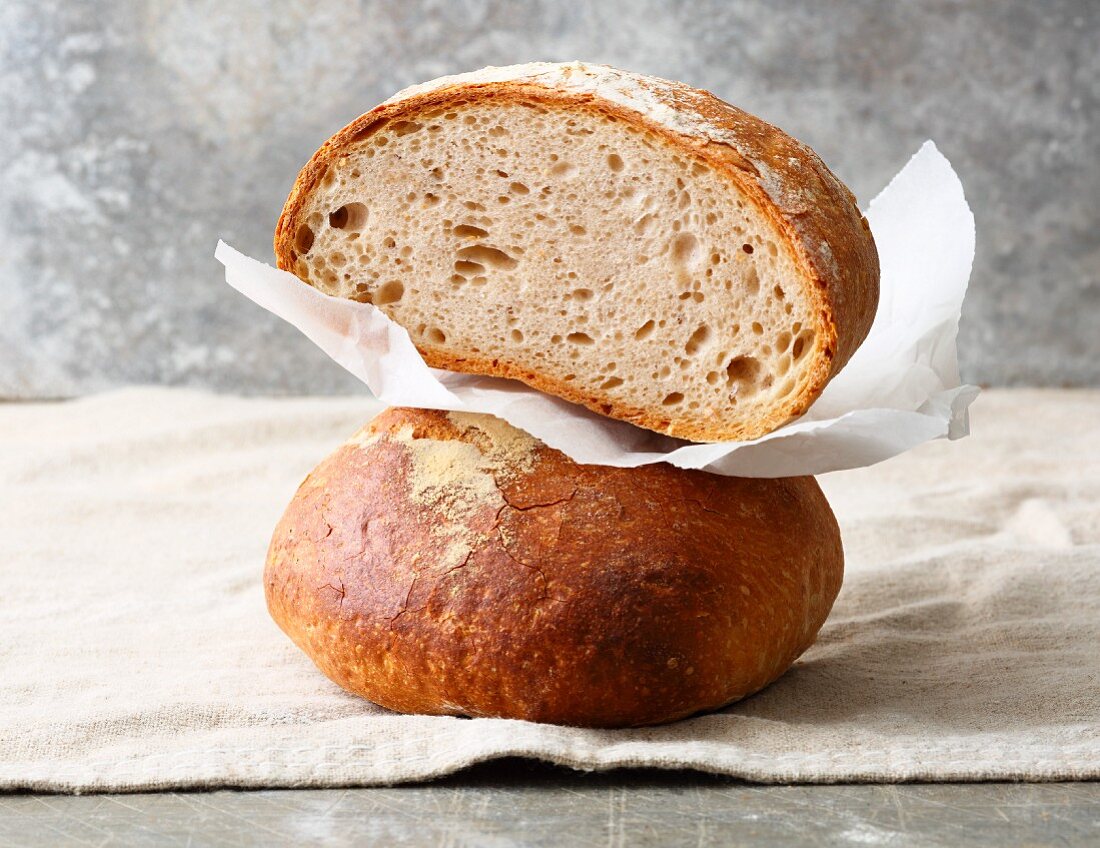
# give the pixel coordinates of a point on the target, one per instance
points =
(536, 588)
(788, 183)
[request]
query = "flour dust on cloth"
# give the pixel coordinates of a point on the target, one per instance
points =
(136, 652)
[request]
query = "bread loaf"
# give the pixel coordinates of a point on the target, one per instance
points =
(449, 564)
(623, 242)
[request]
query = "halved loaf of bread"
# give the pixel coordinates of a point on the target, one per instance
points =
(623, 242)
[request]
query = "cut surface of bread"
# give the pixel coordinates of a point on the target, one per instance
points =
(541, 225)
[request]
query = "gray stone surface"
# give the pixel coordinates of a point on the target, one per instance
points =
(134, 134)
(512, 803)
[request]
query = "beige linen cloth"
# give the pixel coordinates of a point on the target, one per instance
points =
(136, 652)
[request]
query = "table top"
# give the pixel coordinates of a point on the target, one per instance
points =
(961, 647)
(514, 802)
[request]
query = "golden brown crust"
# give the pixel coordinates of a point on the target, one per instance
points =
(543, 589)
(830, 240)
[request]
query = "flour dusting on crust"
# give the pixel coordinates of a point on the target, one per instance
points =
(462, 474)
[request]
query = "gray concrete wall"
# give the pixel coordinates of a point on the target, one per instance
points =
(133, 135)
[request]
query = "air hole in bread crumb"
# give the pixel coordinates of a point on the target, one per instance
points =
(469, 231)
(673, 398)
(684, 247)
(643, 223)
(582, 294)
(741, 371)
(517, 336)
(350, 216)
(697, 340)
(747, 248)
(303, 239)
(563, 169)
(436, 335)
(486, 255)
(757, 328)
(611, 383)
(390, 292)
(519, 188)
(615, 162)
(579, 338)
(555, 339)
(577, 229)
(431, 199)
(468, 269)
(752, 281)
(401, 128)
(644, 330)
(712, 377)
(800, 343)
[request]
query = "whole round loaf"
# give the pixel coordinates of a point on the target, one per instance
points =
(450, 564)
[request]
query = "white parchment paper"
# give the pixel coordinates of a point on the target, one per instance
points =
(900, 389)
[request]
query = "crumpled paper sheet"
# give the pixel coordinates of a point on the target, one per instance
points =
(900, 389)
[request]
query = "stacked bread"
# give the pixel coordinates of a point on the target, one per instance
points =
(626, 243)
